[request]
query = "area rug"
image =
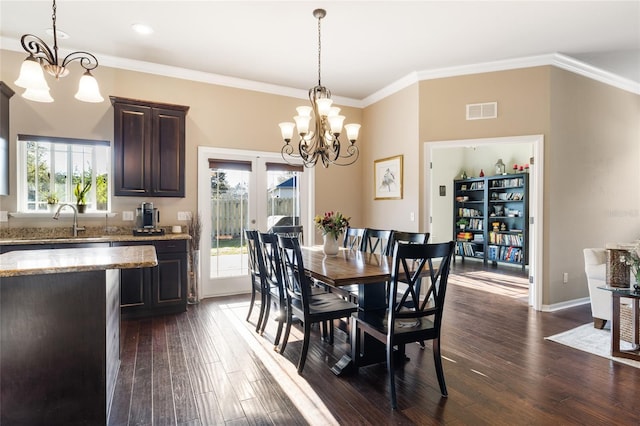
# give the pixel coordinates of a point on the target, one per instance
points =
(589, 339)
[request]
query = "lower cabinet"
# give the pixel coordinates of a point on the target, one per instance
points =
(158, 290)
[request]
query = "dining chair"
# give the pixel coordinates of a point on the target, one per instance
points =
(408, 237)
(411, 238)
(398, 325)
(353, 238)
(377, 241)
(308, 307)
(274, 282)
(256, 264)
(289, 231)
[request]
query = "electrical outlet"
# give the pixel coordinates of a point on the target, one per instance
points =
(127, 215)
(412, 216)
(184, 215)
(565, 277)
(4, 216)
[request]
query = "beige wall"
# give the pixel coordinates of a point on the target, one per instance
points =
(391, 128)
(591, 175)
(218, 117)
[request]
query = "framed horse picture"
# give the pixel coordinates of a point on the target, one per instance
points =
(387, 174)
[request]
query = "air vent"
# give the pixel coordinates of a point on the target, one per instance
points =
(482, 111)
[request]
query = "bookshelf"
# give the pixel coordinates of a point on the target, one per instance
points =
(495, 212)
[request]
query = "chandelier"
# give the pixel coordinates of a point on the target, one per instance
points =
(320, 140)
(42, 57)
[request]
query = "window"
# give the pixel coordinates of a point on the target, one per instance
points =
(50, 168)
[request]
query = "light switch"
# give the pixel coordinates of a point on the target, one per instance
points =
(4, 216)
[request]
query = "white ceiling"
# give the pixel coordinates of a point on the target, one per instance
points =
(366, 45)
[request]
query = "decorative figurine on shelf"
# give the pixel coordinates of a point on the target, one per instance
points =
(481, 173)
(463, 175)
(496, 226)
(526, 168)
(503, 227)
(515, 168)
(500, 167)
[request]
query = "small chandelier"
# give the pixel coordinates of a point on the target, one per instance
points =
(41, 56)
(320, 141)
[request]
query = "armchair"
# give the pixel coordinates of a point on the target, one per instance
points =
(595, 266)
(595, 263)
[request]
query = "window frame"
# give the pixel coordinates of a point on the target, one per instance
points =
(21, 169)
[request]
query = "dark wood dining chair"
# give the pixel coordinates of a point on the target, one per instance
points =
(411, 238)
(377, 241)
(353, 238)
(256, 265)
(308, 307)
(274, 281)
(289, 231)
(408, 237)
(398, 325)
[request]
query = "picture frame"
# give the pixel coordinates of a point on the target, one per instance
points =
(387, 178)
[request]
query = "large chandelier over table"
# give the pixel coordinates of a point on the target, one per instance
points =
(320, 140)
(42, 57)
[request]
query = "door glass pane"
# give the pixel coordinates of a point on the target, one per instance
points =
(229, 218)
(283, 198)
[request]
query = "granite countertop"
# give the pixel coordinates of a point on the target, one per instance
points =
(45, 238)
(56, 261)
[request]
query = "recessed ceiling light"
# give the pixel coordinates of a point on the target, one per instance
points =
(142, 29)
(60, 34)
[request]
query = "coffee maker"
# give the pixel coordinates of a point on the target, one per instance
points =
(147, 220)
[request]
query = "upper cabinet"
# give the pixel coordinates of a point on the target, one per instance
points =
(148, 148)
(5, 94)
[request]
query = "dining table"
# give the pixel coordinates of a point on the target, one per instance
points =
(371, 272)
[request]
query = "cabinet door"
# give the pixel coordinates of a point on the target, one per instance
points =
(167, 165)
(131, 149)
(169, 279)
(132, 288)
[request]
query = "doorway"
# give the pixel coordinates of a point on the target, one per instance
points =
(239, 190)
(434, 180)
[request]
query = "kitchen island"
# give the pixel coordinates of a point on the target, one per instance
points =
(60, 332)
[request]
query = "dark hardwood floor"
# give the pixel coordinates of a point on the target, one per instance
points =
(209, 367)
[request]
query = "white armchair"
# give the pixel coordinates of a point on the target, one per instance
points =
(595, 265)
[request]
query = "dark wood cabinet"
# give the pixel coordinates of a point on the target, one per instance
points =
(148, 148)
(158, 290)
(5, 94)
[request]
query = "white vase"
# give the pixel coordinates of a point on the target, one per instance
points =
(330, 247)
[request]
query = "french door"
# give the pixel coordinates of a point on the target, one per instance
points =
(240, 190)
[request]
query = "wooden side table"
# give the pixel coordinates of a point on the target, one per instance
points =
(616, 295)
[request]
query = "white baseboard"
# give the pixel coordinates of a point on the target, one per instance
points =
(564, 305)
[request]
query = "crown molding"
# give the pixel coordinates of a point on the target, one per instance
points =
(555, 59)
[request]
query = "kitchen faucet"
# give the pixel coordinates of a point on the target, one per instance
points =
(76, 228)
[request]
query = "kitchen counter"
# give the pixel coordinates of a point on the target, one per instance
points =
(34, 262)
(60, 332)
(88, 239)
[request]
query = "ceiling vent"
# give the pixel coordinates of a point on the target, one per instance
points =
(482, 111)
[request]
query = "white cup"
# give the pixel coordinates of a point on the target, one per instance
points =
(176, 229)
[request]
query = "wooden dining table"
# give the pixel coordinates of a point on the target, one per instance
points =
(371, 272)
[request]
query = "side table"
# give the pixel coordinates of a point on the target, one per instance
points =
(616, 295)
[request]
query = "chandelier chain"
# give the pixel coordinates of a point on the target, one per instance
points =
(55, 33)
(319, 50)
